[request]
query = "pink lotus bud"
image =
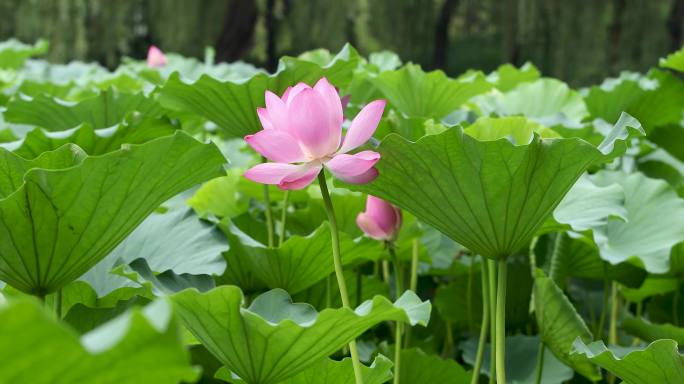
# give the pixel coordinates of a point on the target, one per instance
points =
(381, 220)
(303, 133)
(155, 57)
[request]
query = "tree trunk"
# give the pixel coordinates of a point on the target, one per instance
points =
(674, 24)
(439, 56)
(235, 38)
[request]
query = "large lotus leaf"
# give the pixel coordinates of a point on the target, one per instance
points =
(419, 367)
(579, 257)
(140, 346)
(175, 241)
(542, 100)
(63, 212)
(655, 100)
(274, 339)
(651, 286)
(299, 262)
(14, 53)
(645, 330)
(559, 325)
(232, 104)
(507, 76)
(521, 358)
(653, 224)
(428, 94)
(588, 205)
(328, 371)
(102, 111)
(220, 197)
(92, 141)
(675, 60)
(489, 194)
(660, 362)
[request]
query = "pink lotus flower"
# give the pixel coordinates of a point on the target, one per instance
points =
(381, 220)
(303, 133)
(155, 57)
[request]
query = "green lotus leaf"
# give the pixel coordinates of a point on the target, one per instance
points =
(507, 76)
(232, 104)
(655, 100)
(652, 227)
(541, 100)
(13, 53)
(651, 286)
(63, 212)
(299, 262)
(140, 346)
(660, 362)
(559, 325)
(105, 110)
(92, 141)
(675, 60)
(428, 94)
(329, 371)
(419, 367)
(645, 330)
(274, 339)
(490, 195)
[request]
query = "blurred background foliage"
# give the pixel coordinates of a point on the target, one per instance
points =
(579, 41)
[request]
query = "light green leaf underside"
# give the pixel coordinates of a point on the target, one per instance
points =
(232, 104)
(140, 346)
(263, 352)
(659, 363)
(428, 94)
(68, 211)
(588, 205)
(175, 241)
(559, 325)
(653, 224)
(102, 111)
(490, 196)
(419, 367)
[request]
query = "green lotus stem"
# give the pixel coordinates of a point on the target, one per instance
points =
(614, 309)
(413, 284)
(484, 327)
(604, 307)
(398, 283)
(449, 342)
(469, 293)
(359, 286)
(540, 362)
(268, 213)
(501, 322)
(283, 218)
(339, 272)
(328, 291)
(491, 266)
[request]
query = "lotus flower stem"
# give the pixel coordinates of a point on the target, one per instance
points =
(413, 284)
(268, 213)
(398, 282)
(501, 322)
(469, 294)
(484, 327)
(604, 308)
(540, 362)
(614, 310)
(491, 266)
(283, 218)
(339, 272)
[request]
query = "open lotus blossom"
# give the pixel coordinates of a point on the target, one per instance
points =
(155, 57)
(303, 133)
(381, 220)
